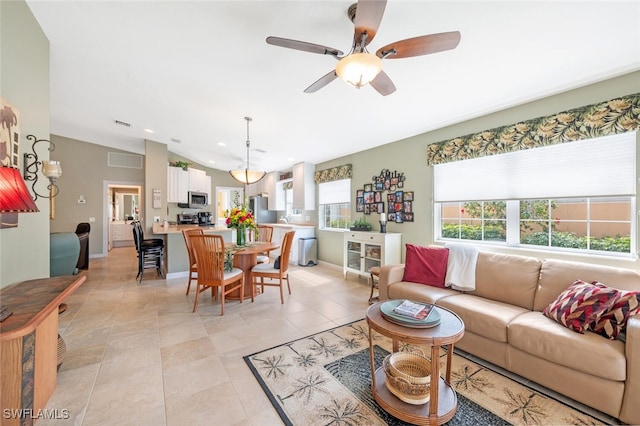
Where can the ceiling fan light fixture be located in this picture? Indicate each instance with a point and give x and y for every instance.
(244, 174)
(358, 69)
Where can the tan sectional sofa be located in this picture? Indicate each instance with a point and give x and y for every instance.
(504, 325)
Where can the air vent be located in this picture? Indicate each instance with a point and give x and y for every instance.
(175, 140)
(127, 161)
(122, 123)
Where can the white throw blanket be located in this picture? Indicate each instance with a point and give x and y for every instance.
(461, 267)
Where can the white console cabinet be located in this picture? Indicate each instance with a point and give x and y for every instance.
(364, 250)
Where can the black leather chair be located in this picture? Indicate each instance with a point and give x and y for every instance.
(150, 252)
(82, 231)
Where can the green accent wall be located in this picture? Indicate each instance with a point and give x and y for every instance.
(24, 82)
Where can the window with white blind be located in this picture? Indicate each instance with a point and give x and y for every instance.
(334, 200)
(577, 196)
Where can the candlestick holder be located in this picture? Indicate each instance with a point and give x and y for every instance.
(383, 227)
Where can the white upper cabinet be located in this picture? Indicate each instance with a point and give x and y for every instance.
(304, 188)
(177, 185)
(198, 180)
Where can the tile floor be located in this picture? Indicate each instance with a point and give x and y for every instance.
(137, 355)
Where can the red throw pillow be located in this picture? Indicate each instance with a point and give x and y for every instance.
(426, 265)
(614, 321)
(580, 305)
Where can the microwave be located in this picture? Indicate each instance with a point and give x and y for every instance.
(196, 200)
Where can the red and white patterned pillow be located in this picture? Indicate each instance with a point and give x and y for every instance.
(580, 305)
(614, 321)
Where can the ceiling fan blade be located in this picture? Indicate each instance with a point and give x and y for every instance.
(423, 45)
(304, 46)
(383, 84)
(322, 81)
(367, 20)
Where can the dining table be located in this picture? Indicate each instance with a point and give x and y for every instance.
(245, 258)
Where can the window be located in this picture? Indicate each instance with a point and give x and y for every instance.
(577, 196)
(334, 199)
(288, 202)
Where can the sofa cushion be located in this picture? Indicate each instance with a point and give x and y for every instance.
(580, 305)
(589, 353)
(557, 275)
(481, 316)
(507, 278)
(614, 321)
(426, 265)
(418, 292)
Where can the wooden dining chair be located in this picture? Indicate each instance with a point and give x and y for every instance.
(209, 251)
(193, 266)
(267, 271)
(265, 234)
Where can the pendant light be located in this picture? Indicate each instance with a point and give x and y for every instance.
(244, 173)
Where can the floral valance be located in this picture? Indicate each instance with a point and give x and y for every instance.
(334, 173)
(618, 115)
(287, 185)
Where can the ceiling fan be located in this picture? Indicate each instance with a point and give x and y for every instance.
(359, 67)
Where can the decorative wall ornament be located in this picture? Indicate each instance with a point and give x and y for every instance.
(9, 134)
(399, 204)
(334, 173)
(619, 115)
(388, 181)
(9, 149)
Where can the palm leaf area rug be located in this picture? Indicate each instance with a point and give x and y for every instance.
(325, 379)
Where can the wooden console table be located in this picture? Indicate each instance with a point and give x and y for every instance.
(29, 345)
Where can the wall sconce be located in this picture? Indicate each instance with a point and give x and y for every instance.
(50, 169)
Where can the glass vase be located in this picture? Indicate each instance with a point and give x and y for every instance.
(241, 236)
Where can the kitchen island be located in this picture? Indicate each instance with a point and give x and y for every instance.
(176, 256)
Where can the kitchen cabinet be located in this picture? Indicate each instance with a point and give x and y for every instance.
(198, 180)
(364, 250)
(177, 185)
(304, 188)
(121, 234)
(180, 182)
(301, 232)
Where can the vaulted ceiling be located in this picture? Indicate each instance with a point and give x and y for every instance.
(190, 71)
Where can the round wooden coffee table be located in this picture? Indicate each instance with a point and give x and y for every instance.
(443, 400)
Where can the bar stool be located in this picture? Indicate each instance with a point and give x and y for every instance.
(375, 277)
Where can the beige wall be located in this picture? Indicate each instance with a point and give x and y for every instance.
(24, 82)
(409, 156)
(84, 172)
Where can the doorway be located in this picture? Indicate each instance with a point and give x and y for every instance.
(226, 199)
(123, 203)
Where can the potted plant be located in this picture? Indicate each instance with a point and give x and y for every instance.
(361, 224)
(184, 165)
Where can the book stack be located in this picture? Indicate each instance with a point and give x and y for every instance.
(410, 314)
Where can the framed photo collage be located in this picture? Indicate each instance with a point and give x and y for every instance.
(386, 194)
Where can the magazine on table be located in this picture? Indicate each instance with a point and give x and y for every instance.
(413, 309)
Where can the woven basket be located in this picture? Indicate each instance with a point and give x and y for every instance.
(408, 376)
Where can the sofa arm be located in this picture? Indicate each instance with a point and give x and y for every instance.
(629, 412)
(389, 274)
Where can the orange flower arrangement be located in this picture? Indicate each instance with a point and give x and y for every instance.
(240, 218)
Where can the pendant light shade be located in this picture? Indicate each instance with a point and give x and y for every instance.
(244, 174)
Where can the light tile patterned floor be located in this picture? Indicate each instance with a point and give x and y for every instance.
(137, 355)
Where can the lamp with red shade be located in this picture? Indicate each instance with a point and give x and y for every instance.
(14, 195)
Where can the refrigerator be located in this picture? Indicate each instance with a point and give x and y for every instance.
(259, 205)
